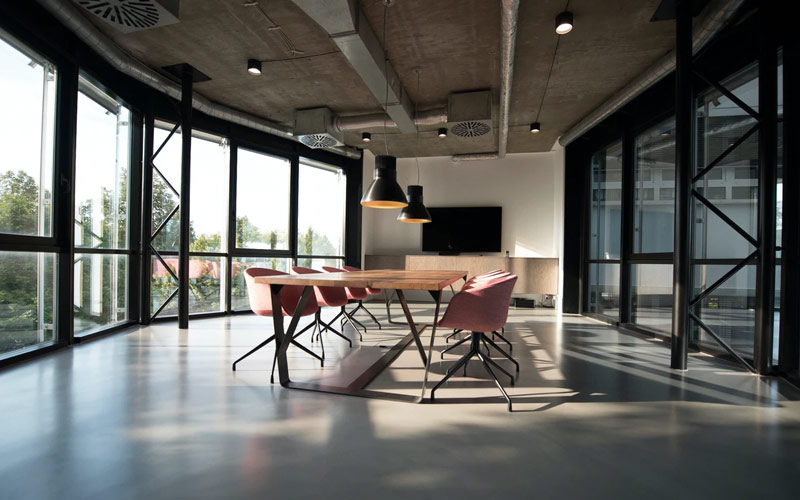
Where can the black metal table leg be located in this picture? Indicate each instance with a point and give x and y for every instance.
(284, 338)
(413, 325)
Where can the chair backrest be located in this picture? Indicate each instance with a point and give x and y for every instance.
(260, 295)
(326, 295)
(483, 277)
(370, 290)
(352, 292)
(483, 307)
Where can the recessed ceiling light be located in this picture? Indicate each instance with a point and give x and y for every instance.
(535, 128)
(254, 67)
(442, 133)
(564, 23)
(366, 137)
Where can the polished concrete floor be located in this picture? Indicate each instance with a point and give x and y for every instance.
(157, 413)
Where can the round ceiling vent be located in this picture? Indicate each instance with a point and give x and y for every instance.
(470, 129)
(130, 15)
(318, 141)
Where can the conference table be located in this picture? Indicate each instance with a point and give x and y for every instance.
(431, 281)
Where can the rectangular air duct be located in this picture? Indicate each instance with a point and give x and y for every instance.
(128, 16)
(314, 128)
(469, 114)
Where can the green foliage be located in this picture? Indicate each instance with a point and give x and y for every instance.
(19, 203)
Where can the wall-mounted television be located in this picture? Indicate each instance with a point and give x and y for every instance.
(463, 229)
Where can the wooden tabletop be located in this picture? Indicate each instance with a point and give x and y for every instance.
(379, 278)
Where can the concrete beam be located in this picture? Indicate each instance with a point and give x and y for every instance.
(350, 31)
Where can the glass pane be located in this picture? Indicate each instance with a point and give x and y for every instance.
(262, 200)
(606, 203)
(162, 285)
(655, 172)
(27, 101)
(652, 296)
(318, 263)
(100, 296)
(209, 191)
(734, 189)
(101, 169)
(27, 299)
(730, 309)
(239, 300)
(322, 210)
(604, 289)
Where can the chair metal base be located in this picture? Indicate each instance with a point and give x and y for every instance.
(360, 307)
(323, 326)
(275, 357)
(477, 339)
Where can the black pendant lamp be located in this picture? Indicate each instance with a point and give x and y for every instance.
(384, 191)
(415, 212)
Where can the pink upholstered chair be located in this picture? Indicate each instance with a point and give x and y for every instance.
(260, 298)
(470, 283)
(353, 293)
(360, 306)
(479, 308)
(331, 296)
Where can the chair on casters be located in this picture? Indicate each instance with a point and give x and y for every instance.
(370, 291)
(331, 296)
(479, 308)
(353, 293)
(261, 304)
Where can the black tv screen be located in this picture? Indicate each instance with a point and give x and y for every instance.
(463, 229)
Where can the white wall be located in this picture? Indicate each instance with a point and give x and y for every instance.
(529, 187)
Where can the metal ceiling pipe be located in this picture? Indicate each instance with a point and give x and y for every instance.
(719, 15)
(75, 21)
(508, 40)
(376, 120)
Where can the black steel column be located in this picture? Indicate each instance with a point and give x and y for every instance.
(137, 163)
(789, 357)
(682, 265)
(186, 171)
(627, 227)
(767, 178)
(147, 213)
(294, 204)
(64, 199)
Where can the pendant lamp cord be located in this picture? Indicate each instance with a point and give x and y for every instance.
(549, 73)
(416, 156)
(386, 76)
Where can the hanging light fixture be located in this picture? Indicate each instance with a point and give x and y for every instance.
(564, 23)
(535, 128)
(254, 67)
(415, 212)
(442, 133)
(366, 137)
(384, 191)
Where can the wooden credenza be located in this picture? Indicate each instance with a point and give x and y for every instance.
(536, 275)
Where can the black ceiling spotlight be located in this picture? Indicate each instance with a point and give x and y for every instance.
(442, 133)
(366, 137)
(384, 191)
(254, 67)
(535, 128)
(415, 212)
(564, 22)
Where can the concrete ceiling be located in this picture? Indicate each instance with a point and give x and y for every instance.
(455, 42)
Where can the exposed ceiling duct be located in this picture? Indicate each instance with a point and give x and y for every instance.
(508, 39)
(719, 15)
(428, 117)
(350, 31)
(71, 17)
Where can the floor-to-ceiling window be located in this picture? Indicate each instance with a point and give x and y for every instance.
(102, 157)
(653, 222)
(27, 248)
(263, 218)
(605, 225)
(208, 231)
(321, 215)
(732, 187)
